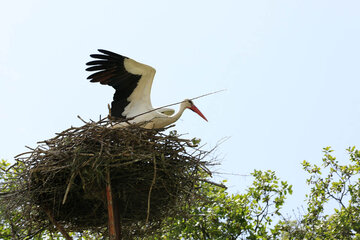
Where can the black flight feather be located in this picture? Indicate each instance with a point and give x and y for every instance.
(110, 70)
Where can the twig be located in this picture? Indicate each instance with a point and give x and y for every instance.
(169, 105)
(208, 94)
(58, 226)
(81, 119)
(213, 183)
(149, 196)
(68, 187)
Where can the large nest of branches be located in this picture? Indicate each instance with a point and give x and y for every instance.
(153, 174)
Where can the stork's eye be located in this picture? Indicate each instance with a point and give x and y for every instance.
(191, 102)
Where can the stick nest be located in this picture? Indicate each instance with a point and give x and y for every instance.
(153, 174)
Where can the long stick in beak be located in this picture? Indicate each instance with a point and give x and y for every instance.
(195, 109)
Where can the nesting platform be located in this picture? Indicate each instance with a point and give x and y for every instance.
(153, 174)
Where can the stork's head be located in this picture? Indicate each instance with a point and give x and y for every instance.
(190, 105)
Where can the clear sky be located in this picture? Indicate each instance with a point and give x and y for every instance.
(291, 70)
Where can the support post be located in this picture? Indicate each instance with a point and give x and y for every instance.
(114, 221)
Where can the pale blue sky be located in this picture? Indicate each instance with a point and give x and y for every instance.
(291, 70)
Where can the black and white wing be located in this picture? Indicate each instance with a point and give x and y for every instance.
(132, 82)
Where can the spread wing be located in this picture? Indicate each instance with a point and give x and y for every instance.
(132, 82)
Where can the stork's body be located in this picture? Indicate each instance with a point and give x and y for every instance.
(132, 82)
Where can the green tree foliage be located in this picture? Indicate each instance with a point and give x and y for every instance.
(225, 216)
(8, 228)
(330, 183)
(255, 213)
(5, 227)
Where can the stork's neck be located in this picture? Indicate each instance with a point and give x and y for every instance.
(180, 112)
(163, 120)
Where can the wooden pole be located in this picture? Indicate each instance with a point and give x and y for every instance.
(114, 222)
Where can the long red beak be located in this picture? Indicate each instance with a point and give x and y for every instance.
(195, 109)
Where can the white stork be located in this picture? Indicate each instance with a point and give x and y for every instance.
(132, 82)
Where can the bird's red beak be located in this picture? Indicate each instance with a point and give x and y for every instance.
(195, 109)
